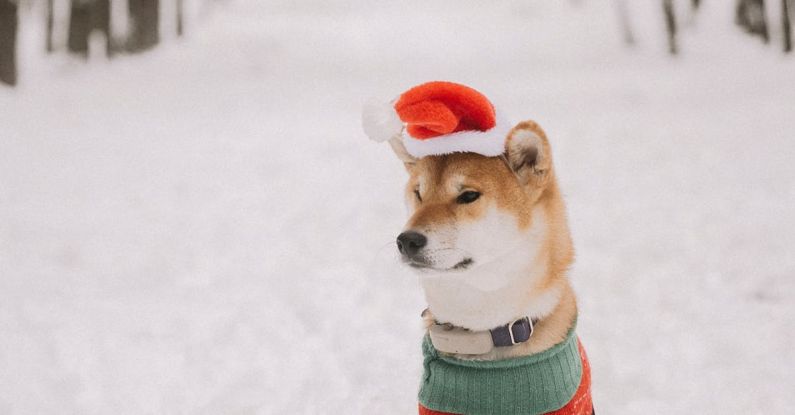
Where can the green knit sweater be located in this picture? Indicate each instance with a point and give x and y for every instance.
(534, 384)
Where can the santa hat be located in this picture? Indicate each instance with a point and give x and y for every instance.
(438, 118)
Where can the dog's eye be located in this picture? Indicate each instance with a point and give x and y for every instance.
(467, 197)
(417, 193)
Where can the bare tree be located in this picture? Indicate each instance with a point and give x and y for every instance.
(144, 19)
(100, 21)
(8, 41)
(180, 19)
(86, 17)
(623, 21)
(786, 26)
(670, 25)
(49, 26)
(79, 27)
(750, 15)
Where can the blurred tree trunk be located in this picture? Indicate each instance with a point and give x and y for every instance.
(786, 26)
(86, 16)
(79, 27)
(180, 18)
(144, 19)
(670, 25)
(623, 20)
(8, 41)
(750, 15)
(50, 23)
(100, 20)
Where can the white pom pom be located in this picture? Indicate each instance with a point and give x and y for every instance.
(380, 121)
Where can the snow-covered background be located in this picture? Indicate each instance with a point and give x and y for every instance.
(204, 229)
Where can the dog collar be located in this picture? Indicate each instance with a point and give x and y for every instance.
(448, 338)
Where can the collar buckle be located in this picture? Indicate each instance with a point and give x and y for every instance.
(513, 333)
(510, 331)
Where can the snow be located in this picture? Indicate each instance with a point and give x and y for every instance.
(205, 228)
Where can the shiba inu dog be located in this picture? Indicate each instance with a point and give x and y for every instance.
(488, 237)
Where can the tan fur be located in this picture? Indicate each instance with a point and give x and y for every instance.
(514, 187)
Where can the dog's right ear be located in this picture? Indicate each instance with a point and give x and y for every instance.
(528, 153)
(409, 161)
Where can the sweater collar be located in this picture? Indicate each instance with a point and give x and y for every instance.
(534, 384)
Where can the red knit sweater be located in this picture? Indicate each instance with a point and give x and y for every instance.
(580, 403)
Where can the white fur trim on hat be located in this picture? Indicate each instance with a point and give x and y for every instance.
(488, 143)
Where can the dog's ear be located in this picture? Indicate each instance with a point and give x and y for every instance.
(400, 151)
(528, 153)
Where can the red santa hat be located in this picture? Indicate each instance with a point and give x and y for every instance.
(438, 118)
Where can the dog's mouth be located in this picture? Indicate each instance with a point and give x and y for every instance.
(422, 265)
(418, 265)
(466, 263)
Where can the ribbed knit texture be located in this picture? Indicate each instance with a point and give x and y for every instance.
(580, 404)
(529, 385)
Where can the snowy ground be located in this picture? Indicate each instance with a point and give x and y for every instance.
(206, 230)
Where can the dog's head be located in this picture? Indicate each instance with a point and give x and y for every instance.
(469, 210)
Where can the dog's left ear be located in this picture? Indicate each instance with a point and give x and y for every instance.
(528, 153)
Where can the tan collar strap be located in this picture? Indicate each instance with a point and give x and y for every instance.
(448, 338)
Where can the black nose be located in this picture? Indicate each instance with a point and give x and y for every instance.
(409, 243)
